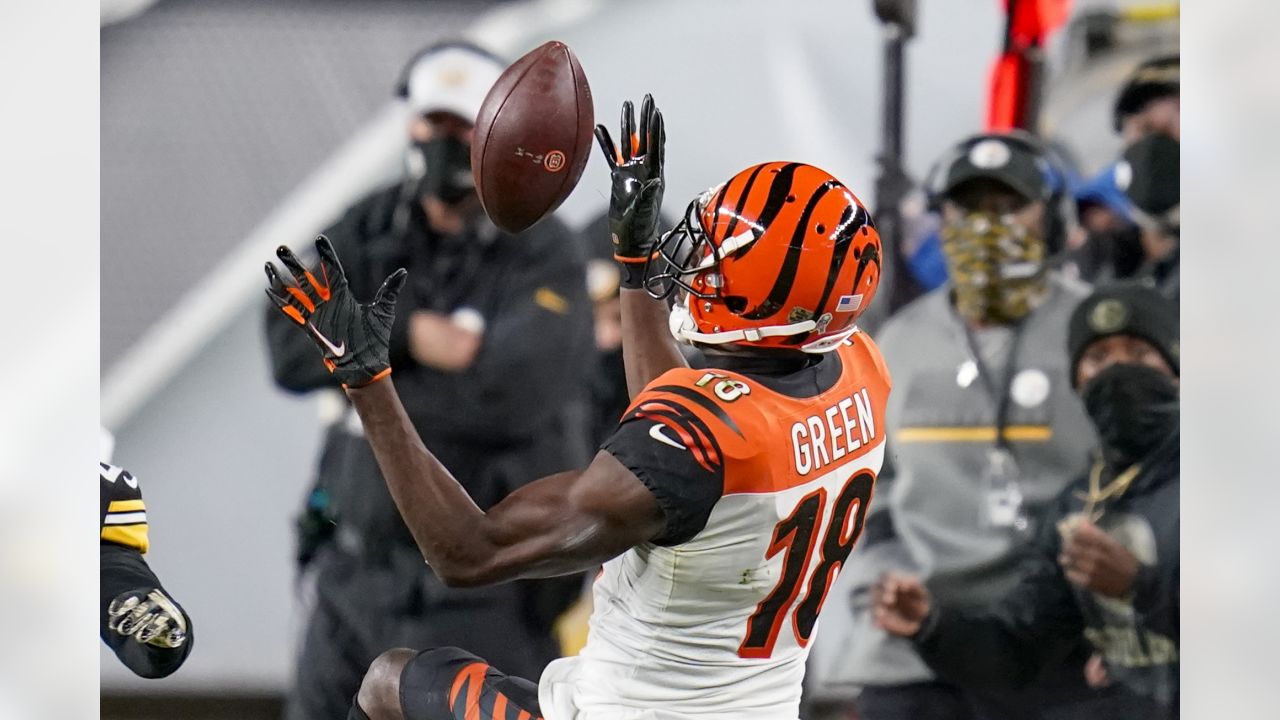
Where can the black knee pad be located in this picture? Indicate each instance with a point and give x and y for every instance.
(439, 684)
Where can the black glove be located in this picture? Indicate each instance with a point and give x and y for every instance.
(353, 338)
(637, 187)
(148, 616)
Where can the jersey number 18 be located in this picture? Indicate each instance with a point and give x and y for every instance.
(798, 535)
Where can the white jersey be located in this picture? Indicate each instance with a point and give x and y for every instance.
(718, 625)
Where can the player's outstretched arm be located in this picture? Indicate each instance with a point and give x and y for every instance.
(559, 524)
(143, 626)
(635, 204)
(648, 350)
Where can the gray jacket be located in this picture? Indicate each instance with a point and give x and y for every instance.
(927, 516)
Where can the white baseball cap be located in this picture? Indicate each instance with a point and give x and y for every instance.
(452, 77)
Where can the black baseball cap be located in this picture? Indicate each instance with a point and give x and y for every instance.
(1005, 158)
(1154, 79)
(1125, 308)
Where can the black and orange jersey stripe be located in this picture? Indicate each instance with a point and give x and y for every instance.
(694, 436)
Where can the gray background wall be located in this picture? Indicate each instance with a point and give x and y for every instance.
(213, 110)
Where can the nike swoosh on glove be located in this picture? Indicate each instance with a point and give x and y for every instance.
(353, 338)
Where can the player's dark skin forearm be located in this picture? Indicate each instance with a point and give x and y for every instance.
(648, 350)
(557, 525)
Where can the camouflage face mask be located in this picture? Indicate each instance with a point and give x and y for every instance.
(996, 264)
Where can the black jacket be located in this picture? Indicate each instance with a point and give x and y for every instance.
(519, 411)
(1045, 615)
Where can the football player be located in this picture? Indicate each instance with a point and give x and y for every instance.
(147, 629)
(725, 502)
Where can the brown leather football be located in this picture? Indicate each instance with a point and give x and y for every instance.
(532, 137)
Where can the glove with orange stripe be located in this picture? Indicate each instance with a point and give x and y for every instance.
(637, 187)
(353, 338)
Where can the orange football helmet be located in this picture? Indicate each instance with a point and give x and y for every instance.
(782, 255)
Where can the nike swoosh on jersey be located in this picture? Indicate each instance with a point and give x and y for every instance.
(656, 433)
(111, 473)
(338, 350)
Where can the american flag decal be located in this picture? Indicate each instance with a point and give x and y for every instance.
(849, 303)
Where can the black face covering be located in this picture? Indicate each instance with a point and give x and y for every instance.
(1135, 409)
(448, 170)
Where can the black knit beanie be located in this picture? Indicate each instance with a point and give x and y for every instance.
(1124, 309)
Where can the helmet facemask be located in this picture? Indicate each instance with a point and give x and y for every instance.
(684, 253)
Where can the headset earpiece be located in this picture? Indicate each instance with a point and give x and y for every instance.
(934, 179)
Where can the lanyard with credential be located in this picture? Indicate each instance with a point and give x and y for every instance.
(1000, 396)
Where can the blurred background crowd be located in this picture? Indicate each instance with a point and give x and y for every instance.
(1022, 162)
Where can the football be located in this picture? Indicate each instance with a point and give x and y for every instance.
(532, 137)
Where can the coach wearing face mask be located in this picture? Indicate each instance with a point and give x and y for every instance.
(1107, 566)
(984, 432)
(492, 337)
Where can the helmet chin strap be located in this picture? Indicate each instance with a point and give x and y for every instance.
(829, 343)
(685, 329)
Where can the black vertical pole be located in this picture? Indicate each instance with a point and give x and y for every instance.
(891, 133)
(898, 18)
(1033, 88)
